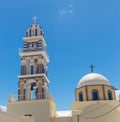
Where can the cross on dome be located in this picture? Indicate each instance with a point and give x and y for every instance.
(35, 19)
(92, 68)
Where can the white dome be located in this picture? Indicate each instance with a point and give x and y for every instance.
(93, 79)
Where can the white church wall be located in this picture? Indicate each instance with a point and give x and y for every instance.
(9, 117)
(40, 109)
(112, 117)
(96, 111)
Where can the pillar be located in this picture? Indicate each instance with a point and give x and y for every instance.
(39, 88)
(21, 95)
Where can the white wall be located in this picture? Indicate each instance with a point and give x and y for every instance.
(96, 111)
(42, 110)
(8, 117)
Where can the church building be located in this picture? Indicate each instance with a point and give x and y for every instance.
(95, 99)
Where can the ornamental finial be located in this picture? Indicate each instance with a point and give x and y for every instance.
(92, 68)
(35, 19)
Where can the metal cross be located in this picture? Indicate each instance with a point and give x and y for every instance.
(35, 19)
(92, 68)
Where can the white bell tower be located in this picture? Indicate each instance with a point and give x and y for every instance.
(33, 81)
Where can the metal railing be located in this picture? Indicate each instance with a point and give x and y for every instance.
(26, 97)
(22, 50)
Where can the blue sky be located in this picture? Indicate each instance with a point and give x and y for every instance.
(78, 33)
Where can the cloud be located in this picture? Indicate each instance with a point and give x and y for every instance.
(3, 108)
(70, 5)
(62, 12)
(67, 10)
(70, 10)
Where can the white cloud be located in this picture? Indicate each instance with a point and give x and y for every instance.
(70, 5)
(67, 10)
(62, 12)
(70, 10)
(64, 113)
(3, 108)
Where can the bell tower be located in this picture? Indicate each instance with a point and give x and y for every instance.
(33, 81)
(33, 98)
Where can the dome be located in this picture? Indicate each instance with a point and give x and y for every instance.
(93, 79)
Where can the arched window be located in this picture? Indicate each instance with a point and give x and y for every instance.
(95, 94)
(80, 96)
(36, 32)
(28, 67)
(32, 33)
(35, 66)
(33, 90)
(109, 95)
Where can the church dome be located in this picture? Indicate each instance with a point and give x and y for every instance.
(92, 79)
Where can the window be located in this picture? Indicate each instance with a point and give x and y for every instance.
(95, 94)
(35, 32)
(43, 93)
(41, 32)
(18, 94)
(109, 95)
(32, 33)
(28, 67)
(43, 82)
(26, 34)
(32, 69)
(36, 93)
(80, 96)
(35, 66)
(24, 94)
(43, 69)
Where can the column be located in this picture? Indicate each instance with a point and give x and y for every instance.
(21, 95)
(39, 88)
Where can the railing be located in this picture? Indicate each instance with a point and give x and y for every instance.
(22, 50)
(30, 96)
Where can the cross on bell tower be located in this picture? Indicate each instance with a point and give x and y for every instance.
(92, 68)
(35, 19)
